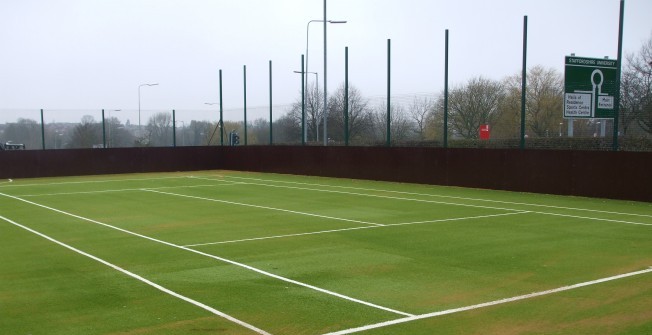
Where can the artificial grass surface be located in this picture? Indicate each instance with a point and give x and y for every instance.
(411, 249)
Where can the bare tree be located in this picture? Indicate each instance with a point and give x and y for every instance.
(636, 89)
(359, 114)
(419, 111)
(544, 104)
(543, 108)
(258, 131)
(159, 129)
(314, 111)
(24, 131)
(507, 124)
(86, 134)
(117, 135)
(474, 104)
(287, 129)
(400, 126)
(199, 133)
(435, 120)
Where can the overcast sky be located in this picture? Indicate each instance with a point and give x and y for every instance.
(93, 54)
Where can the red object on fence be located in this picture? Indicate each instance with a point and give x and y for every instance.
(484, 132)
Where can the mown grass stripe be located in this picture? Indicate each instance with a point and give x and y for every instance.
(434, 195)
(352, 228)
(141, 279)
(488, 304)
(263, 207)
(251, 268)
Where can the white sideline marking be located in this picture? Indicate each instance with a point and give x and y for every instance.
(378, 196)
(348, 229)
(262, 207)
(142, 279)
(596, 219)
(94, 181)
(128, 190)
(433, 195)
(488, 304)
(251, 268)
(458, 204)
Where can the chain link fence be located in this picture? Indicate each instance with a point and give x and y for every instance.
(414, 121)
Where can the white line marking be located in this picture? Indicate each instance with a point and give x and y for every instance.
(591, 218)
(142, 279)
(435, 195)
(381, 196)
(127, 190)
(251, 268)
(458, 219)
(458, 204)
(262, 207)
(353, 228)
(94, 181)
(488, 304)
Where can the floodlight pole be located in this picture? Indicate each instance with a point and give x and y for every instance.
(524, 84)
(446, 90)
(306, 70)
(221, 113)
(325, 79)
(619, 71)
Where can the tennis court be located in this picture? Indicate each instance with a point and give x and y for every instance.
(224, 252)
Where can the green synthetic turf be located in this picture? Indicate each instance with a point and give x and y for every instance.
(412, 249)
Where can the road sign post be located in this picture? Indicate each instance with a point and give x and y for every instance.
(590, 88)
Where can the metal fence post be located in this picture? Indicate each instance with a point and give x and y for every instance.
(103, 130)
(221, 125)
(270, 104)
(389, 83)
(244, 73)
(42, 130)
(446, 92)
(303, 100)
(174, 129)
(346, 96)
(620, 56)
(524, 83)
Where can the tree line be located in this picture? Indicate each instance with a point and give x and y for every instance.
(476, 102)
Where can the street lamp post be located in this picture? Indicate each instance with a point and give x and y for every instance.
(139, 86)
(307, 40)
(325, 67)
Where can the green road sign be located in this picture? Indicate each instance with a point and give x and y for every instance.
(590, 88)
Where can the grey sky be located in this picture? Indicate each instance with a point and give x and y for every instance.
(93, 54)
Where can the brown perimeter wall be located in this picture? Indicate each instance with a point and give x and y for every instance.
(615, 175)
